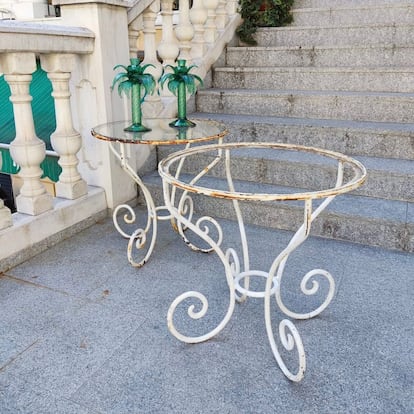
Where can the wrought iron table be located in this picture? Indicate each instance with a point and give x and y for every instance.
(160, 134)
(346, 174)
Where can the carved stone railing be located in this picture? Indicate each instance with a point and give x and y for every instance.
(78, 53)
(59, 51)
(56, 48)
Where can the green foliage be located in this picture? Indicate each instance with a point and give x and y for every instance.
(134, 74)
(181, 74)
(262, 13)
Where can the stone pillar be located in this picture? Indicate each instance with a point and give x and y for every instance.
(93, 101)
(184, 31)
(198, 17)
(27, 9)
(65, 140)
(211, 25)
(152, 105)
(27, 150)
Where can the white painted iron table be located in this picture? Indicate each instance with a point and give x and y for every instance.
(160, 134)
(348, 174)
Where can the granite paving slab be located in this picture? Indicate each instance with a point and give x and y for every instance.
(87, 333)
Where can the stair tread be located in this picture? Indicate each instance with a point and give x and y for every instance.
(337, 3)
(340, 69)
(281, 92)
(353, 7)
(335, 27)
(347, 204)
(391, 46)
(314, 122)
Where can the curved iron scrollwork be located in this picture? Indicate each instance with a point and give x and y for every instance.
(237, 270)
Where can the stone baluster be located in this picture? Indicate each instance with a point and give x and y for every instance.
(184, 31)
(232, 7)
(27, 150)
(211, 26)
(198, 17)
(221, 18)
(152, 106)
(5, 213)
(66, 141)
(5, 216)
(168, 48)
(134, 33)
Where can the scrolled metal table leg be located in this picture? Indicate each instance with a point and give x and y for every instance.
(224, 257)
(292, 339)
(138, 239)
(186, 207)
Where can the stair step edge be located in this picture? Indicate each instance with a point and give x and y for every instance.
(353, 7)
(318, 70)
(380, 165)
(390, 46)
(282, 92)
(335, 27)
(380, 127)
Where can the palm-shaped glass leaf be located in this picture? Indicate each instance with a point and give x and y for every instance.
(180, 81)
(133, 80)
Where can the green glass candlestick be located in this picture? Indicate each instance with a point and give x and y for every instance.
(182, 120)
(135, 80)
(179, 82)
(136, 111)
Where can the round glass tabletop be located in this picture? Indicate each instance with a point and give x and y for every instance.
(161, 133)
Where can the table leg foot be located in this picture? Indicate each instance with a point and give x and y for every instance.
(290, 340)
(139, 239)
(193, 314)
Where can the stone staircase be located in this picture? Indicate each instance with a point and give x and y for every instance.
(341, 77)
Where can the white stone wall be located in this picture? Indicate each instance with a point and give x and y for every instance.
(26, 9)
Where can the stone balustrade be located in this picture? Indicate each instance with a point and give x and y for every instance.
(20, 44)
(79, 63)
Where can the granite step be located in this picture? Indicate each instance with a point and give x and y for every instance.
(357, 106)
(376, 139)
(387, 54)
(358, 35)
(339, 3)
(370, 221)
(354, 14)
(382, 79)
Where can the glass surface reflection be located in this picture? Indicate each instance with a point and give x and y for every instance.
(161, 132)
